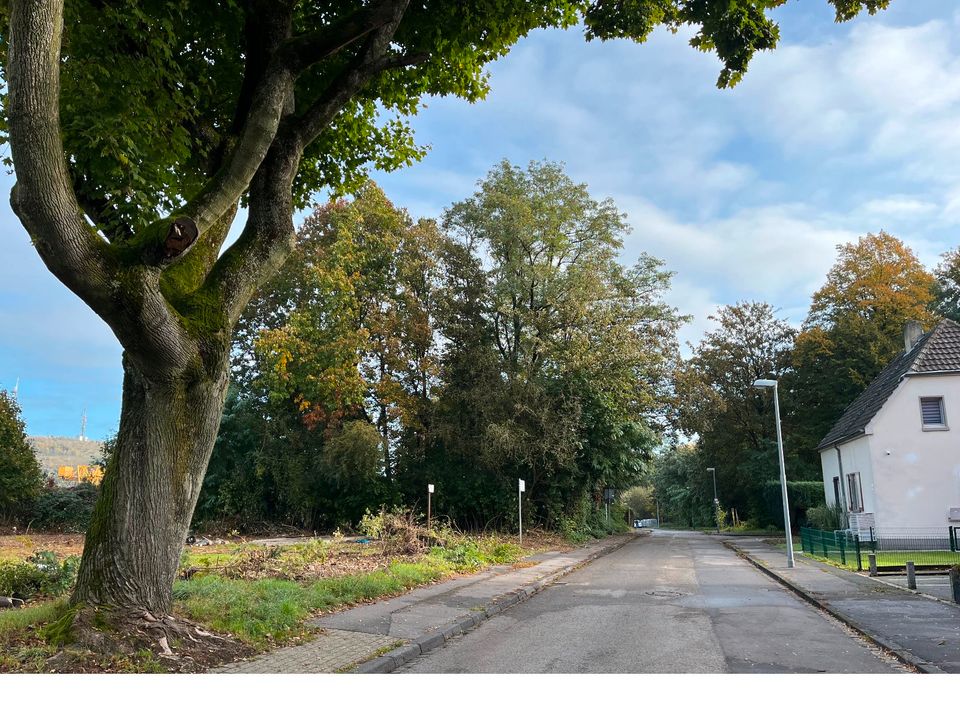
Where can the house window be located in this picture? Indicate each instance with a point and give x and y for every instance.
(854, 492)
(836, 491)
(931, 413)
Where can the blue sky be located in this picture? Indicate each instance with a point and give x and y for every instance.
(744, 193)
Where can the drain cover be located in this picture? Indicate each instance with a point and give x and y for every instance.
(664, 593)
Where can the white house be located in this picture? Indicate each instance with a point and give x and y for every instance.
(893, 459)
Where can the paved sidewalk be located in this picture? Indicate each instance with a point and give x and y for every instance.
(921, 631)
(381, 636)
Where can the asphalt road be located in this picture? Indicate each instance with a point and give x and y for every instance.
(672, 602)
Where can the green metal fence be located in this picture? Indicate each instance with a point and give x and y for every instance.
(840, 547)
(925, 547)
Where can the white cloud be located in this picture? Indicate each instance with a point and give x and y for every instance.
(897, 206)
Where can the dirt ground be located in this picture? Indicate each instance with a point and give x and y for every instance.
(345, 557)
(21, 546)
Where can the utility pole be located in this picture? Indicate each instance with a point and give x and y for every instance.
(716, 501)
(772, 385)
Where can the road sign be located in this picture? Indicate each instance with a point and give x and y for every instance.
(523, 486)
(430, 488)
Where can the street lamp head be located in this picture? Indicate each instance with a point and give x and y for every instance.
(711, 469)
(764, 383)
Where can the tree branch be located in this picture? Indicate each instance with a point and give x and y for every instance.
(43, 197)
(305, 50)
(44, 200)
(269, 235)
(374, 59)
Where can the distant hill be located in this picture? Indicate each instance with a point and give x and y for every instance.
(52, 452)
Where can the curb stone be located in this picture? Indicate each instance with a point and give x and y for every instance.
(394, 659)
(903, 655)
(914, 592)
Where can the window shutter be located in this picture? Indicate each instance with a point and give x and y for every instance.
(932, 411)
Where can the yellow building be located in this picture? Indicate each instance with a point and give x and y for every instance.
(81, 473)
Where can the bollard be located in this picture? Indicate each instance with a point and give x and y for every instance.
(955, 582)
(872, 559)
(911, 576)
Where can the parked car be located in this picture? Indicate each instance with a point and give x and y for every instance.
(636, 524)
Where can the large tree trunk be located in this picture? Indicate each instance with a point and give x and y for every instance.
(150, 488)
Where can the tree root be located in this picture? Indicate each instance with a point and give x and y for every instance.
(179, 645)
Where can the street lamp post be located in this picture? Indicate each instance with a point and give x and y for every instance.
(763, 383)
(716, 500)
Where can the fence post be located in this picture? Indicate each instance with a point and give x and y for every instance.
(955, 583)
(843, 549)
(953, 538)
(856, 545)
(823, 543)
(872, 559)
(911, 575)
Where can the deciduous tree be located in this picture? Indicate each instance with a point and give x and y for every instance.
(733, 422)
(137, 133)
(947, 303)
(855, 327)
(20, 476)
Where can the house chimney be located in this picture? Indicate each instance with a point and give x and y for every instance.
(911, 333)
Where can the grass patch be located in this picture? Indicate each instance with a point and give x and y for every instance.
(268, 611)
(13, 622)
(23, 644)
(263, 612)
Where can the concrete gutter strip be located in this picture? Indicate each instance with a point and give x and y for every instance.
(394, 659)
(893, 648)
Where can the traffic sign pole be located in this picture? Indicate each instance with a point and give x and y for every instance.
(520, 488)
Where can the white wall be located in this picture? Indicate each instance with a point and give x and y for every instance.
(857, 457)
(917, 472)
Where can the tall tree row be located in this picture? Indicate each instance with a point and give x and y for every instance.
(854, 328)
(509, 343)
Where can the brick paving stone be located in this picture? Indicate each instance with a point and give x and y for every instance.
(332, 651)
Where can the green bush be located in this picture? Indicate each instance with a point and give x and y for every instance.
(65, 509)
(825, 517)
(43, 574)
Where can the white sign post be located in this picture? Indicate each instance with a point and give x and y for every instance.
(522, 487)
(429, 495)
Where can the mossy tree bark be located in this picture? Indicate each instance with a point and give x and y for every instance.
(167, 432)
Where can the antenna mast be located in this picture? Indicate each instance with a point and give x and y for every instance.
(83, 425)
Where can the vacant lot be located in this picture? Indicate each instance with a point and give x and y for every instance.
(257, 592)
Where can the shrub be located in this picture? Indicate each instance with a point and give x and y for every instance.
(825, 517)
(42, 574)
(397, 529)
(65, 509)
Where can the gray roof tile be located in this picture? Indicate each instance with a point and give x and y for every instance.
(936, 351)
